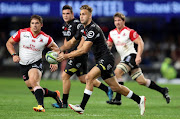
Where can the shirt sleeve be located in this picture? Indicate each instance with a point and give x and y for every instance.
(78, 34)
(133, 35)
(109, 38)
(16, 36)
(50, 40)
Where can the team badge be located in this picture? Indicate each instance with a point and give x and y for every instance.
(90, 34)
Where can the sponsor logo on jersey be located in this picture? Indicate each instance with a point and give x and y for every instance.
(41, 40)
(33, 40)
(30, 48)
(66, 33)
(119, 43)
(26, 36)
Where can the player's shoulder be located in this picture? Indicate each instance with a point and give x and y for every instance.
(94, 27)
(44, 34)
(25, 30)
(128, 29)
(76, 20)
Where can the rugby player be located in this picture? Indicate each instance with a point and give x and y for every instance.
(95, 40)
(78, 65)
(124, 38)
(32, 42)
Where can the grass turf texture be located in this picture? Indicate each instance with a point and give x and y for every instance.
(17, 102)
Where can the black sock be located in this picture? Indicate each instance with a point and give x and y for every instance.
(136, 98)
(52, 94)
(65, 98)
(154, 86)
(39, 96)
(49, 93)
(118, 95)
(85, 100)
(103, 87)
(30, 88)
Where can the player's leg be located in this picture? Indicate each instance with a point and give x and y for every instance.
(137, 75)
(90, 77)
(100, 85)
(112, 82)
(118, 72)
(66, 88)
(34, 79)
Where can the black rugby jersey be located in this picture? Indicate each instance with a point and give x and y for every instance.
(69, 30)
(93, 33)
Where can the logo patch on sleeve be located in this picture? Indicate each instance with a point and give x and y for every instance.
(90, 34)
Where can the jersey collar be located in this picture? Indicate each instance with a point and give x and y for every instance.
(120, 30)
(29, 29)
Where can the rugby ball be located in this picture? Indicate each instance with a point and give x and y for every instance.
(51, 57)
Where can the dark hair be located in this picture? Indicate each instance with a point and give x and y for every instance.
(120, 15)
(87, 8)
(37, 17)
(65, 7)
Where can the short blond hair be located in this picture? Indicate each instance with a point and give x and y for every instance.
(86, 7)
(120, 15)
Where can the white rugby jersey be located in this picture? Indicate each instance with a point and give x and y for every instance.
(123, 41)
(30, 46)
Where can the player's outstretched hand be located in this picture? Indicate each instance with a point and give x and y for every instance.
(53, 67)
(61, 57)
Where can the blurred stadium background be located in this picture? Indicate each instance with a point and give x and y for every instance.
(157, 21)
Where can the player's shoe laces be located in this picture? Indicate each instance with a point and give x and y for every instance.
(142, 104)
(39, 108)
(114, 102)
(110, 93)
(166, 95)
(57, 106)
(58, 99)
(76, 108)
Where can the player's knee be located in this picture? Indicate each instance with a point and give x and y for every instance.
(64, 76)
(141, 81)
(118, 73)
(88, 78)
(114, 88)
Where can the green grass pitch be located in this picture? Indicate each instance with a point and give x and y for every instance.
(17, 102)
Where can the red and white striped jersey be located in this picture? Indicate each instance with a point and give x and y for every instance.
(123, 41)
(30, 46)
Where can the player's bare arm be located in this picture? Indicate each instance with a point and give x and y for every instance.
(10, 46)
(84, 49)
(68, 44)
(81, 43)
(53, 67)
(109, 44)
(140, 49)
